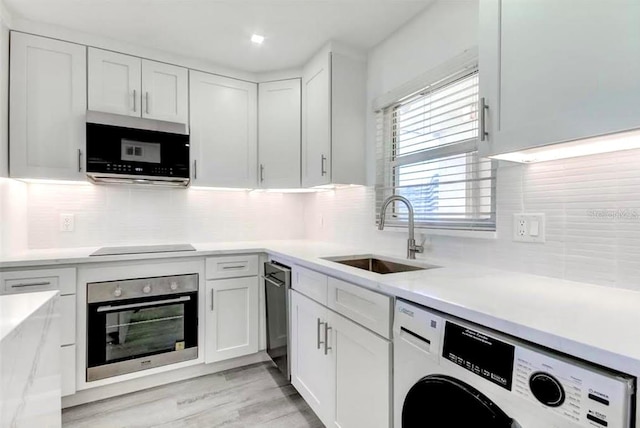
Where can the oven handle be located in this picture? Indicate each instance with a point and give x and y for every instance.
(110, 308)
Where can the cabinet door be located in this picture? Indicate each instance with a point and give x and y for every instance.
(557, 71)
(48, 89)
(279, 134)
(232, 318)
(164, 92)
(311, 368)
(316, 121)
(223, 131)
(114, 83)
(362, 364)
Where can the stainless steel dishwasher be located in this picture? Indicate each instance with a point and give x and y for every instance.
(277, 281)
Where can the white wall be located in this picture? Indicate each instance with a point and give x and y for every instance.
(444, 30)
(580, 246)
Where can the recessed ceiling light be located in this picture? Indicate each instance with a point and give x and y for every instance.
(257, 39)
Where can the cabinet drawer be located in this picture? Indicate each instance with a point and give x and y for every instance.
(68, 369)
(39, 280)
(366, 307)
(310, 283)
(68, 319)
(232, 266)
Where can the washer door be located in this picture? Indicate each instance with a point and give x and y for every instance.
(440, 401)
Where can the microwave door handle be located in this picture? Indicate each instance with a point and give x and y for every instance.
(111, 308)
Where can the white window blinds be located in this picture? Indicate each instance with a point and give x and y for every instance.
(427, 152)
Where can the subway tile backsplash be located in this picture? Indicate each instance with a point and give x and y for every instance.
(592, 208)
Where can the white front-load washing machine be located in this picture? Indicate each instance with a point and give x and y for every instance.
(449, 373)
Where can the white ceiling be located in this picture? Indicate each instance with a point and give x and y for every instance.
(219, 31)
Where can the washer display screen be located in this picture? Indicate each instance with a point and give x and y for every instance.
(480, 354)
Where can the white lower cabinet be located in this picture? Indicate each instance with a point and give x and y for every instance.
(341, 369)
(311, 369)
(68, 369)
(362, 372)
(231, 318)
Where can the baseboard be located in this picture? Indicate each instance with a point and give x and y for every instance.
(126, 387)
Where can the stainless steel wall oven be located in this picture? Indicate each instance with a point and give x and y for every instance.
(138, 324)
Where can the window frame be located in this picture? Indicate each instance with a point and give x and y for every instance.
(467, 148)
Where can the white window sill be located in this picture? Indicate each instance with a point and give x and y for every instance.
(476, 234)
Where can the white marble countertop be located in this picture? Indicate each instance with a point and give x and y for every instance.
(587, 321)
(16, 308)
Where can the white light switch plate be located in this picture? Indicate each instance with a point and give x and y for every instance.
(67, 222)
(529, 227)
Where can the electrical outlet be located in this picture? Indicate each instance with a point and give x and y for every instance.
(528, 228)
(67, 222)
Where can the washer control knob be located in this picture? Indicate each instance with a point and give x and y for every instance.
(146, 289)
(547, 389)
(117, 292)
(173, 286)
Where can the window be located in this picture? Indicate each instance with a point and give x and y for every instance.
(427, 152)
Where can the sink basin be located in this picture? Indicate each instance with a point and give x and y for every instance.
(379, 265)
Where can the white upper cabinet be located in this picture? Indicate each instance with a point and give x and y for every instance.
(131, 86)
(114, 83)
(554, 71)
(48, 87)
(279, 134)
(164, 92)
(333, 119)
(316, 121)
(223, 127)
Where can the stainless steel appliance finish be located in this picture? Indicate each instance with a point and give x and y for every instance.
(130, 150)
(138, 324)
(379, 264)
(277, 282)
(142, 249)
(412, 248)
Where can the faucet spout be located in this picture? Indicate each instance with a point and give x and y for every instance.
(412, 248)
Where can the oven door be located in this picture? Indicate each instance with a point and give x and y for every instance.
(142, 333)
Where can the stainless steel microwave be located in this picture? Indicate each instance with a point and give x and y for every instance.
(128, 150)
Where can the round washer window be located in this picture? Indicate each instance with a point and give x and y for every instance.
(438, 401)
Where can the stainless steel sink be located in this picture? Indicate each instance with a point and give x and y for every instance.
(378, 264)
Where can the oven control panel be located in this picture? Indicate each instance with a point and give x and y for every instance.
(584, 395)
(141, 287)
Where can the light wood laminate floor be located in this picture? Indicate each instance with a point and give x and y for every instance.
(253, 396)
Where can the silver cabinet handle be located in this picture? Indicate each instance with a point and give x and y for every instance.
(146, 101)
(233, 267)
(212, 294)
(79, 160)
(483, 107)
(323, 159)
(134, 100)
(326, 338)
(31, 284)
(318, 332)
(261, 173)
(195, 169)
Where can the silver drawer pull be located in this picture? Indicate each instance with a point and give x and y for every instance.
(233, 267)
(31, 284)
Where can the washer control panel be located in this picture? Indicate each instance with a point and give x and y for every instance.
(584, 395)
